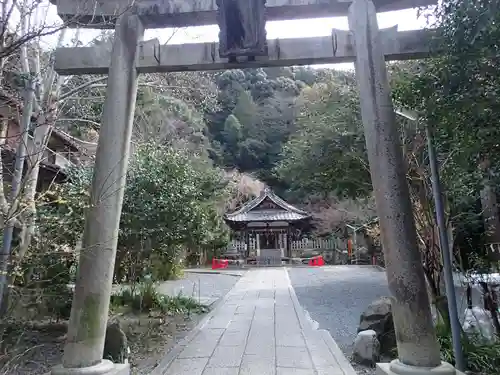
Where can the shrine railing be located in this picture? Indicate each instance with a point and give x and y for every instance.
(304, 244)
(313, 244)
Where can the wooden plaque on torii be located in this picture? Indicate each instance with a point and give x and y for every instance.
(242, 25)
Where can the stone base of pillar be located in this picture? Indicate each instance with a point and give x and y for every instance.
(397, 368)
(104, 368)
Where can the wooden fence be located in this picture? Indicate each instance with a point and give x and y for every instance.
(315, 244)
(334, 250)
(303, 244)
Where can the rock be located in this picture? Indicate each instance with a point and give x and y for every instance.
(378, 317)
(366, 348)
(115, 345)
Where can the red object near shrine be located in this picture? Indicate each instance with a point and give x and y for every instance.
(219, 263)
(349, 247)
(317, 261)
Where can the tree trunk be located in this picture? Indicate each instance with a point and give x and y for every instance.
(4, 206)
(46, 107)
(489, 204)
(41, 136)
(490, 212)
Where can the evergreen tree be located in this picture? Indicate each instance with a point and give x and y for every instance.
(232, 135)
(246, 111)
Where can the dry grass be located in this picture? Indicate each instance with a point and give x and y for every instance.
(243, 187)
(332, 214)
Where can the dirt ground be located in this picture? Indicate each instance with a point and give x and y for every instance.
(35, 349)
(150, 340)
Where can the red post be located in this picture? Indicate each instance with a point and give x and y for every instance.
(321, 261)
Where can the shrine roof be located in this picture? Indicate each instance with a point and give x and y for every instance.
(279, 210)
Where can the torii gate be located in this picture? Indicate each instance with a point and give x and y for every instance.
(364, 44)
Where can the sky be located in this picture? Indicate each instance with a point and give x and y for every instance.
(405, 19)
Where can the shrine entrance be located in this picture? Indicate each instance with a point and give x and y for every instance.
(270, 223)
(243, 44)
(268, 240)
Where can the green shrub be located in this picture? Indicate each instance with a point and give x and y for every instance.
(165, 265)
(40, 285)
(481, 358)
(58, 301)
(181, 305)
(141, 298)
(145, 298)
(45, 270)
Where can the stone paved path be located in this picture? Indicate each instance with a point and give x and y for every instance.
(258, 329)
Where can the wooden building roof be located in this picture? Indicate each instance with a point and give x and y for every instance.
(267, 207)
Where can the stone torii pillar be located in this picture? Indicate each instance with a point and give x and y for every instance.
(89, 312)
(418, 349)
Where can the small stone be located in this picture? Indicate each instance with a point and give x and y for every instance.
(366, 348)
(115, 345)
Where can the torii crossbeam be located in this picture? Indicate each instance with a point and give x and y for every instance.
(336, 48)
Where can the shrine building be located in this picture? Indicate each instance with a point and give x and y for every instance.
(265, 227)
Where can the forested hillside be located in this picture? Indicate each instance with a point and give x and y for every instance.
(242, 118)
(256, 115)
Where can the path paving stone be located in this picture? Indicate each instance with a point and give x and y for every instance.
(257, 330)
(227, 356)
(194, 366)
(256, 364)
(294, 371)
(234, 338)
(294, 357)
(221, 371)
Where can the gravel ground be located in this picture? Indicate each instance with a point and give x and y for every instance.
(336, 296)
(204, 287)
